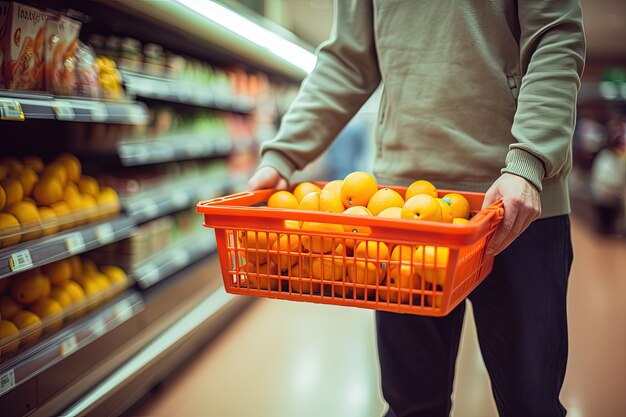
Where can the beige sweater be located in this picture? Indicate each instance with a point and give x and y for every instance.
(471, 89)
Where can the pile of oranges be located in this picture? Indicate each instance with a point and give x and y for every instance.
(39, 300)
(38, 199)
(317, 261)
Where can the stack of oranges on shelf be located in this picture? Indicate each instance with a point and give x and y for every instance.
(352, 266)
(39, 200)
(39, 300)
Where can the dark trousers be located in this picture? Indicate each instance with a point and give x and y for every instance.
(521, 319)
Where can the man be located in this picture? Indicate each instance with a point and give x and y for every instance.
(477, 96)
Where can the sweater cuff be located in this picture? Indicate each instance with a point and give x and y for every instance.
(279, 162)
(525, 165)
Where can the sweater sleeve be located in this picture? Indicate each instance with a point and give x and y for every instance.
(345, 75)
(552, 53)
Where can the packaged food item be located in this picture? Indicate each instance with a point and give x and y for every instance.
(110, 79)
(131, 57)
(154, 59)
(23, 45)
(61, 43)
(87, 78)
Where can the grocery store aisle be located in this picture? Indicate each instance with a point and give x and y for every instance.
(292, 359)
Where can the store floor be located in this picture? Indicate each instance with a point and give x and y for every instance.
(285, 359)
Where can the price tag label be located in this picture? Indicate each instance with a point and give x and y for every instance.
(69, 346)
(180, 199)
(147, 274)
(11, 110)
(75, 243)
(99, 328)
(105, 233)
(63, 110)
(20, 260)
(98, 110)
(123, 311)
(180, 257)
(7, 381)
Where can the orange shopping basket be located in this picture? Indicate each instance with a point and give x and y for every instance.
(404, 266)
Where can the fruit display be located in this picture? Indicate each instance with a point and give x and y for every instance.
(315, 261)
(39, 301)
(38, 199)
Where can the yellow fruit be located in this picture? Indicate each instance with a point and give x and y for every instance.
(283, 199)
(103, 281)
(48, 191)
(361, 272)
(29, 287)
(317, 244)
(70, 191)
(391, 213)
(401, 277)
(14, 167)
(30, 326)
(328, 269)
(27, 214)
(89, 267)
(9, 230)
(259, 276)
(422, 207)
(403, 254)
(74, 290)
(8, 307)
(446, 211)
(115, 274)
(420, 187)
(434, 300)
(28, 178)
(76, 266)
(48, 221)
(72, 166)
(108, 201)
(356, 211)
(384, 199)
(3, 198)
(88, 185)
(357, 189)
(13, 190)
(55, 170)
(9, 342)
(459, 205)
(306, 285)
(90, 285)
(372, 251)
(432, 264)
(457, 220)
(90, 208)
(64, 214)
(305, 188)
(321, 201)
(289, 246)
(257, 243)
(33, 162)
(59, 271)
(61, 295)
(51, 313)
(292, 224)
(77, 209)
(334, 186)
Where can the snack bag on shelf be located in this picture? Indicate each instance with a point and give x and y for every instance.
(61, 43)
(87, 79)
(23, 45)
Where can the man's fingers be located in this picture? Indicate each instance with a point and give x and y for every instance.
(518, 228)
(510, 214)
(266, 178)
(282, 184)
(490, 198)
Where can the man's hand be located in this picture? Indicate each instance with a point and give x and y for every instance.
(522, 205)
(267, 177)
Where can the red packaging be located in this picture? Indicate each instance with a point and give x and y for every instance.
(23, 45)
(60, 62)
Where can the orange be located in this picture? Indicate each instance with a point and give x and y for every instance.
(70, 191)
(432, 264)
(74, 290)
(108, 201)
(90, 207)
(57, 171)
(420, 187)
(317, 244)
(283, 199)
(48, 221)
(356, 211)
(459, 205)
(61, 295)
(89, 267)
(29, 287)
(289, 246)
(256, 243)
(115, 274)
(434, 300)
(403, 254)
(305, 188)
(8, 307)
(446, 211)
(321, 201)
(51, 313)
(457, 220)
(29, 324)
(292, 224)
(90, 285)
(373, 251)
(383, 199)
(28, 178)
(14, 166)
(422, 207)
(3, 198)
(88, 185)
(305, 285)
(59, 271)
(258, 276)
(361, 272)
(48, 191)
(33, 162)
(401, 277)
(9, 230)
(328, 269)
(63, 212)
(334, 186)
(13, 190)
(9, 341)
(27, 214)
(357, 189)
(76, 265)
(72, 166)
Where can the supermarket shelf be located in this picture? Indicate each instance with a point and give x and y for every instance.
(174, 258)
(44, 106)
(176, 148)
(158, 88)
(38, 252)
(33, 361)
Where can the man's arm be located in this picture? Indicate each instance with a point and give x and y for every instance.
(345, 76)
(552, 51)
